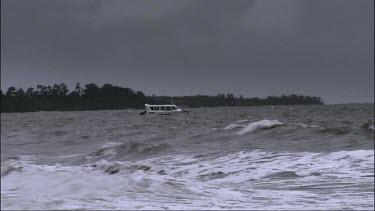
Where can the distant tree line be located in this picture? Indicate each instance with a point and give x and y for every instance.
(109, 97)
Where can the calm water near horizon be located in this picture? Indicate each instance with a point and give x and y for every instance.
(266, 157)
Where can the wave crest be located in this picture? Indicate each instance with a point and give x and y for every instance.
(232, 126)
(263, 124)
(119, 150)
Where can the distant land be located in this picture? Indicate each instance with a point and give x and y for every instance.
(108, 97)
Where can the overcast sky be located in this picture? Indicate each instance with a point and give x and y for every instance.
(186, 47)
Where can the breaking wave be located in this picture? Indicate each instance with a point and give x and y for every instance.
(123, 150)
(187, 182)
(263, 124)
(232, 126)
(318, 157)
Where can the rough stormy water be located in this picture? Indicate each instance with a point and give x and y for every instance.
(269, 157)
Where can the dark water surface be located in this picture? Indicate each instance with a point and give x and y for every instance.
(282, 157)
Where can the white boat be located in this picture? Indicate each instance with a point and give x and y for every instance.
(162, 109)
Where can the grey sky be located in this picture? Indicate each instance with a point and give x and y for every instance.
(186, 47)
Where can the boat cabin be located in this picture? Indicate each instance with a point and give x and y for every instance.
(161, 109)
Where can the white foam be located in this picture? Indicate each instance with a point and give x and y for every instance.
(242, 121)
(232, 126)
(259, 125)
(111, 144)
(243, 180)
(306, 125)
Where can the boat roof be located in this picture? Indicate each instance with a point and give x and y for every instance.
(160, 105)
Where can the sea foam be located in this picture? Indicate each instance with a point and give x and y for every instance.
(232, 126)
(263, 124)
(243, 178)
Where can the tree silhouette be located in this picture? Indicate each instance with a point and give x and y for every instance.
(107, 97)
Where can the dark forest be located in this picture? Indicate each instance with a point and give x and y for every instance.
(109, 97)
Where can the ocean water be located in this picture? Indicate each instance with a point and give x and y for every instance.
(268, 157)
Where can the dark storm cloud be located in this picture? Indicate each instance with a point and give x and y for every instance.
(255, 48)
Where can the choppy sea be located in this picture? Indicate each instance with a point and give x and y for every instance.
(267, 157)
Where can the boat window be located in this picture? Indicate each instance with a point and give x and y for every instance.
(156, 108)
(168, 108)
(152, 108)
(162, 108)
